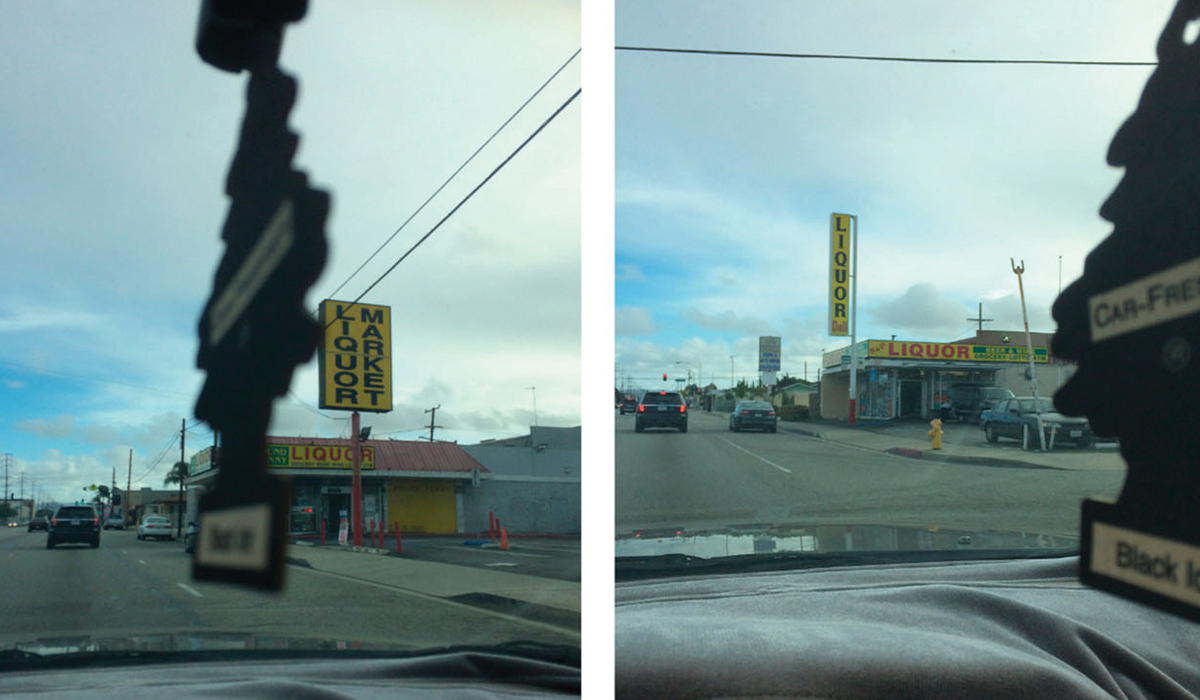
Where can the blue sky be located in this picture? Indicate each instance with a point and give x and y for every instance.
(116, 141)
(728, 168)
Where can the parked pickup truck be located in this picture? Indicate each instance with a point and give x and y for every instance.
(1009, 417)
(970, 400)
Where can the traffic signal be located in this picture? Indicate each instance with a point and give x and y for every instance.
(664, 376)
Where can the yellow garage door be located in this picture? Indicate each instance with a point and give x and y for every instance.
(422, 505)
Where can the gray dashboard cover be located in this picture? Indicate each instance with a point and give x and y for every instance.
(1009, 629)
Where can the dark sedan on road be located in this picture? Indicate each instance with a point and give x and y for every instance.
(753, 415)
(661, 409)
(629, 404)
(41, 521)
(1012, 417)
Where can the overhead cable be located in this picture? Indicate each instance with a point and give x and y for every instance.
(900, 59)
(455, 173)
(465, 199)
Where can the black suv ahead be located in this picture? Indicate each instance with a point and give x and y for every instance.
(661, 409)
(74, 524)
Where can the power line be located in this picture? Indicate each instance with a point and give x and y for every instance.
(303, 403)
(161, 453)
(455, 173)
(899, 59)
(465, 199)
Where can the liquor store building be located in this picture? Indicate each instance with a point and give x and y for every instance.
(419, 485)
(910, 379)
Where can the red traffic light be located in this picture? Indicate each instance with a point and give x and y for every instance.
(664, 376)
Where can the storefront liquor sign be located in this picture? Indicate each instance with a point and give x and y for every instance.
(896, 349)
(317, 456)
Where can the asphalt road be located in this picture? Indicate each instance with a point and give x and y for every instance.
(130, 587)
(710, 478)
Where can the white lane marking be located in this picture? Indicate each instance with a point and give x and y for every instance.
(761, 459)
(189, 589)
(142, 562)
(519, 554)
(502, 563)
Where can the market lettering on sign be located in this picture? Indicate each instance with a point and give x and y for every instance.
(355, 360)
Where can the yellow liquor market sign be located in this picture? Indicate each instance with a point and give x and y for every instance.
(317, 457)
(964, 352)
(355, 358)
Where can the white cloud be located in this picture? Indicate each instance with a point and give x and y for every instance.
(634, 320)
(921, 311)
(630, 273)
(57, 427)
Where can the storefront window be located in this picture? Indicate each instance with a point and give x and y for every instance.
(303, 518)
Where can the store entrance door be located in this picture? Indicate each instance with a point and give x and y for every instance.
(910, 398)
(335, 503)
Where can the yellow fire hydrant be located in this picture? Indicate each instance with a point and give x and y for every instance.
(935, 433)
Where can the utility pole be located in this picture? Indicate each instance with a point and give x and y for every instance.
(980, 319)
(7, 462)
(128, 485)
(1029, 349)
(182, 472)
(1056, 360)
(534, 389)
(432, 414)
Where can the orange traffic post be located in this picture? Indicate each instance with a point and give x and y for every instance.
(322, 533)
(503, 539)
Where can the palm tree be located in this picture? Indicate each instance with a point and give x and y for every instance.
(177, 474)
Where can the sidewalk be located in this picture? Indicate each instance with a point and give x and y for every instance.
(492, 589)
(961, 443)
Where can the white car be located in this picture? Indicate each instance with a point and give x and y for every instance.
(156, 526)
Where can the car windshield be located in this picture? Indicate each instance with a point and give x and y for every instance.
(1036, 405)
(421, 331)
(816, 205)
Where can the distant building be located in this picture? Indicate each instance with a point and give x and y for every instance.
(533, 482)
(416, 484)
(907, 379)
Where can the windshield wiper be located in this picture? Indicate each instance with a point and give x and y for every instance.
(669, 565)
(508, 661)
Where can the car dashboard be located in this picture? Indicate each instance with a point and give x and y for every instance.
(1022, 628)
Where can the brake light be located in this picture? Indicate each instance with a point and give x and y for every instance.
(641, 408)
(682, 408)
(54, 522)
(770, 413)
(743, 413)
